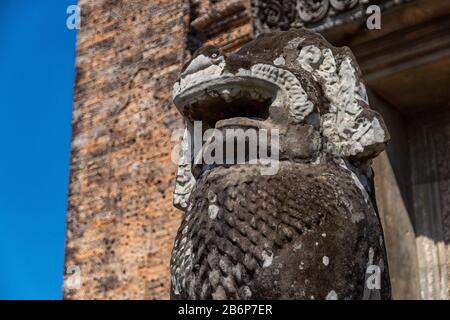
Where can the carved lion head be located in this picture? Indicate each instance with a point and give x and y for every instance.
(293, 81)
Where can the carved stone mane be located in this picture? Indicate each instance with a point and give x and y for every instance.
(309, 231)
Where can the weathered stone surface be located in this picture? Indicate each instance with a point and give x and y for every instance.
(247, 235)
(298, 235)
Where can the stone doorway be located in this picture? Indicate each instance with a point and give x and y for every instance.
(430, 164)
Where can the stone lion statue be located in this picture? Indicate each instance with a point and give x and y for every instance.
(311, 229)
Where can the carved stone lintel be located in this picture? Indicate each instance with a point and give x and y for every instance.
(317, 15)
(312, 11)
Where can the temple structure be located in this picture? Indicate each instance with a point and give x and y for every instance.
(121, 223)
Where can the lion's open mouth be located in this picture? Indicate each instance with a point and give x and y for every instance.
(226, 98)
(239, 140)
(237, 109)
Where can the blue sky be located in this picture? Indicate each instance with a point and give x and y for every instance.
(37, 58)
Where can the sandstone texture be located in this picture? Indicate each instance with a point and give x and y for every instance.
(309, 228)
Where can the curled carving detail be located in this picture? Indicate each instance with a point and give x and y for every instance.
(277, 14)
(316, 14)
(312, 10)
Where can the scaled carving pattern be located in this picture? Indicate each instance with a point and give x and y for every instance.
(311, 230)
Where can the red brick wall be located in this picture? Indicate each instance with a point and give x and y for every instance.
(120, 219)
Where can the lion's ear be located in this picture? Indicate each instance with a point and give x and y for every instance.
(370, 138)
(185, 180)
(353, 130)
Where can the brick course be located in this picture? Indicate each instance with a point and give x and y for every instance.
(120, 219)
